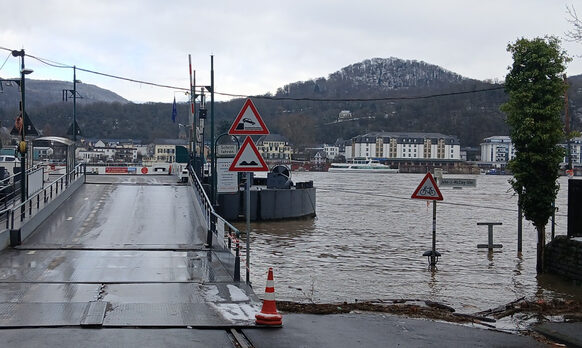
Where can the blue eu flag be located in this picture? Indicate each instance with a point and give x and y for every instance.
(174, 111)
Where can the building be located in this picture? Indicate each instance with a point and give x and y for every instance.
(331, 151)
(164, 150)
(102, 152)
(344, 115)
(575, 152)
(405, 146)
(274, 148)
(497, 150)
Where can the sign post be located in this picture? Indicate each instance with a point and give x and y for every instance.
(226, 148)
(429, 190)
(248, 159)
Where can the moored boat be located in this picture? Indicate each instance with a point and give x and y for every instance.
(362, 165)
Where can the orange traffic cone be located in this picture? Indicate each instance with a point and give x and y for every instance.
(269, 314)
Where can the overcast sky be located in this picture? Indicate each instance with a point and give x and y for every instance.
(259, 45)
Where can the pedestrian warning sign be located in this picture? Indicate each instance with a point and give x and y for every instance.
(428, 189)
(248, 121)
(248, 159)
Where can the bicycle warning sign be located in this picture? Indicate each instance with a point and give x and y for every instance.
(428, 189)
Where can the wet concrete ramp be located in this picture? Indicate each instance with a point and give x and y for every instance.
(123, 253)
(211, 305)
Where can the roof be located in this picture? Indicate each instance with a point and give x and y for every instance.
(400, 136)
(272, 137)
(170, 141)
(52, 140)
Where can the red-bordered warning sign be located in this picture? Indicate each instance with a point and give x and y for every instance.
(248, 159)
(428, 189)
(248, 121)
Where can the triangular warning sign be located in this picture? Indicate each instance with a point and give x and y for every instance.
(248, 159)
(248, 121)
(428, 189)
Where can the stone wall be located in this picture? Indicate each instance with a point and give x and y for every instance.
(563, 256)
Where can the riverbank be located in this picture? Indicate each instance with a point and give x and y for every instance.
(529, 317)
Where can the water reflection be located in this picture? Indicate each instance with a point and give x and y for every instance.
(368, 239)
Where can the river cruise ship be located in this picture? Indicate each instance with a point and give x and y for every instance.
(362, 165)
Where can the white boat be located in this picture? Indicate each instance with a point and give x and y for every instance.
(362, 165)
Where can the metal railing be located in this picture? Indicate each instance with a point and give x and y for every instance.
(213, 220)
(19, 213)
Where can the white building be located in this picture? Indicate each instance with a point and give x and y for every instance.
(392, 145)
(575, 151)
(497, 149)
(331, 151)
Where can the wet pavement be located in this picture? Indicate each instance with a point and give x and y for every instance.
(122, 251)
(299, 330)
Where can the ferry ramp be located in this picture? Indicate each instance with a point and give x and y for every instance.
(122, 251)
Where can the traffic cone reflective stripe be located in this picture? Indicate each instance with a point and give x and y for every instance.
(269, 314)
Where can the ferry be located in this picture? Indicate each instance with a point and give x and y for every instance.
(362, 165)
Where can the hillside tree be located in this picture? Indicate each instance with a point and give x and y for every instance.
(536, 90)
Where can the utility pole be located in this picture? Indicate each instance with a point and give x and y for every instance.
(74, 104)
(192, 118)
(212, 154)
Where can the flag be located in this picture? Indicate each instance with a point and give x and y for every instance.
(174, 111)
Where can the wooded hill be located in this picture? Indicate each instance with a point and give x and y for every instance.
(381, 94)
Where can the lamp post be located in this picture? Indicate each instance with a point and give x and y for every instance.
(212, 154)
(22, 145)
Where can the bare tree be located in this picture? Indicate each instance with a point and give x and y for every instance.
(576, 33)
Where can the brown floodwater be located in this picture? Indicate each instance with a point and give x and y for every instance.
(368, 239)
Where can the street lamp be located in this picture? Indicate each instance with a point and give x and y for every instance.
(22, 144)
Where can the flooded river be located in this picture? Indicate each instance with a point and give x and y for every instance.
(368, 239)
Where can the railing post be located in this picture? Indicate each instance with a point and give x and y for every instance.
(237, 262)
(229, 238)
(211, 231)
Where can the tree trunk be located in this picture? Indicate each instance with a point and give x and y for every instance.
(541, 248)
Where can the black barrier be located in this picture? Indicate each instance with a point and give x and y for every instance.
(574, 208)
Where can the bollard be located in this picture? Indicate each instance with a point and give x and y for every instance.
(489, 244)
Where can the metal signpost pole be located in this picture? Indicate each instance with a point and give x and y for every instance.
(519, 226)
(433, 255)
(248, 217)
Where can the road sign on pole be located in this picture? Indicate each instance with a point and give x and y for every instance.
(248, 121)
(428, 189)
(248, 159)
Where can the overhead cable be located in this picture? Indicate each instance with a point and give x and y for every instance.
(265, 97)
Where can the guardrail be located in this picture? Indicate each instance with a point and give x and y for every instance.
(215, 224)
(18, 214)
